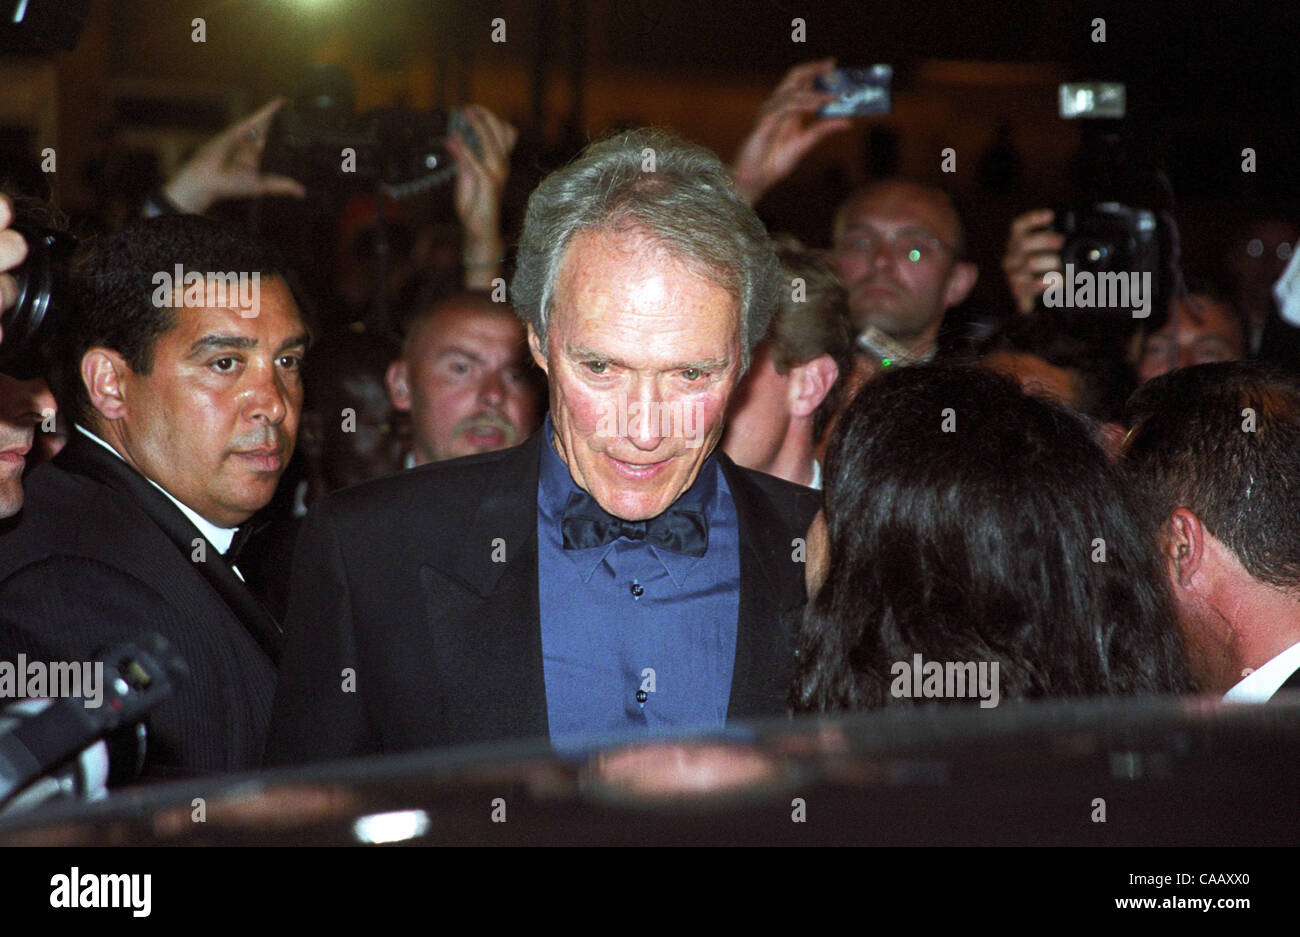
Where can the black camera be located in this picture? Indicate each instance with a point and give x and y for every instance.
(1114, 260)
(44, 300)
(320, 140)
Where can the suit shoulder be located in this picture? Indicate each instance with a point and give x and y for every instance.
(795, 504)
(68, 514)
(452, 479)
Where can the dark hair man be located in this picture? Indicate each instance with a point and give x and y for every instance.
(783, 404)
(1217, 449)
(182, 377)
(465, 377)
(612, 575)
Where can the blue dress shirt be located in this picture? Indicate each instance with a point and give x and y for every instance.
(636, 640)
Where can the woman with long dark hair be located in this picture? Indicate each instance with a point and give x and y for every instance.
(966, 523)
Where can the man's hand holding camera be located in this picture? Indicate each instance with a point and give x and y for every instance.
(782, 136)
(480, 185)
(13, 251)
(1033, 251)
(229, 166)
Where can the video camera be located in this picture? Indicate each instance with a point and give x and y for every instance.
(320, 140)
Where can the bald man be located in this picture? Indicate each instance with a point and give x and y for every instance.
(466, 378)
(899, 247)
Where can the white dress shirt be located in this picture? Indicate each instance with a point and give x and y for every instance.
(219, 537)
(1260, 684)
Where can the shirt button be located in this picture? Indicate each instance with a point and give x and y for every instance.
(642, 696)
(637, 590)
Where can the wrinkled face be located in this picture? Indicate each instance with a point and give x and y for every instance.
(894, 247)
(216, 420)
(642, 356)
(23, 405)
(1207, 332)
(1038, 377)
(466, 383)
(759, 413)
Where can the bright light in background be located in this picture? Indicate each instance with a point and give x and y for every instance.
(391, 827)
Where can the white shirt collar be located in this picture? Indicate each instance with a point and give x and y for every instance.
(1260, 684)
(219, 537)
(816, 482)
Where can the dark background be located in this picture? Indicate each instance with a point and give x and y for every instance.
(1204, 81)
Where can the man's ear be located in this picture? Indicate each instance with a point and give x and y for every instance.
(539, 353)
(810, 382)
(1184, 542)
(397, 381)
(104, 372)
(960, 282)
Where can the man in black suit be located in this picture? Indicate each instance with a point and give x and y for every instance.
(611, 577)
(181, 373)
(1217, 448)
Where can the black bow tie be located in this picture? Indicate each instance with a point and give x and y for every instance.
(586, 524)
(239, 541)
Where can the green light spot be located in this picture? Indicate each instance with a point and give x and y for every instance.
(886, 362)
(914, 255)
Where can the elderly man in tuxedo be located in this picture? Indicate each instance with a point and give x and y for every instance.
(185, 395)
(613, 576)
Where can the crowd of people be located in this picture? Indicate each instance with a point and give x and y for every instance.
(682, 472)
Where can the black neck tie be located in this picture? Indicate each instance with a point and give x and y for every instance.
(586, 524)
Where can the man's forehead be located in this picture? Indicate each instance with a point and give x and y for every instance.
(900, 205)
(194, 324)
(458, 318)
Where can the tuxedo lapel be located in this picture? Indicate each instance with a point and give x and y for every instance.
(85, 457)
(485, 616)
(769, 602)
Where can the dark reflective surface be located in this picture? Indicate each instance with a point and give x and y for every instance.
(1164, 772)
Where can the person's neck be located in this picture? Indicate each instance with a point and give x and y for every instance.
(794, 460)
(1268, 621)
(1265, 621)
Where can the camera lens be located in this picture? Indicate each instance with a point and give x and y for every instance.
(42, 293)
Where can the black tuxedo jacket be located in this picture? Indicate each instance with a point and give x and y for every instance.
(99, 556)
(414, 618)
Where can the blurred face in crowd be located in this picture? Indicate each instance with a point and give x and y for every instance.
(215, 421)
(1260, 255)
(634, 332)
(1038, 377)
(23, 405)
(464, 379)
(895, 247)
(367, 448)
(1207, 332)
(758, 415)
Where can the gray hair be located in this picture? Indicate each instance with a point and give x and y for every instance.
(677, 193)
